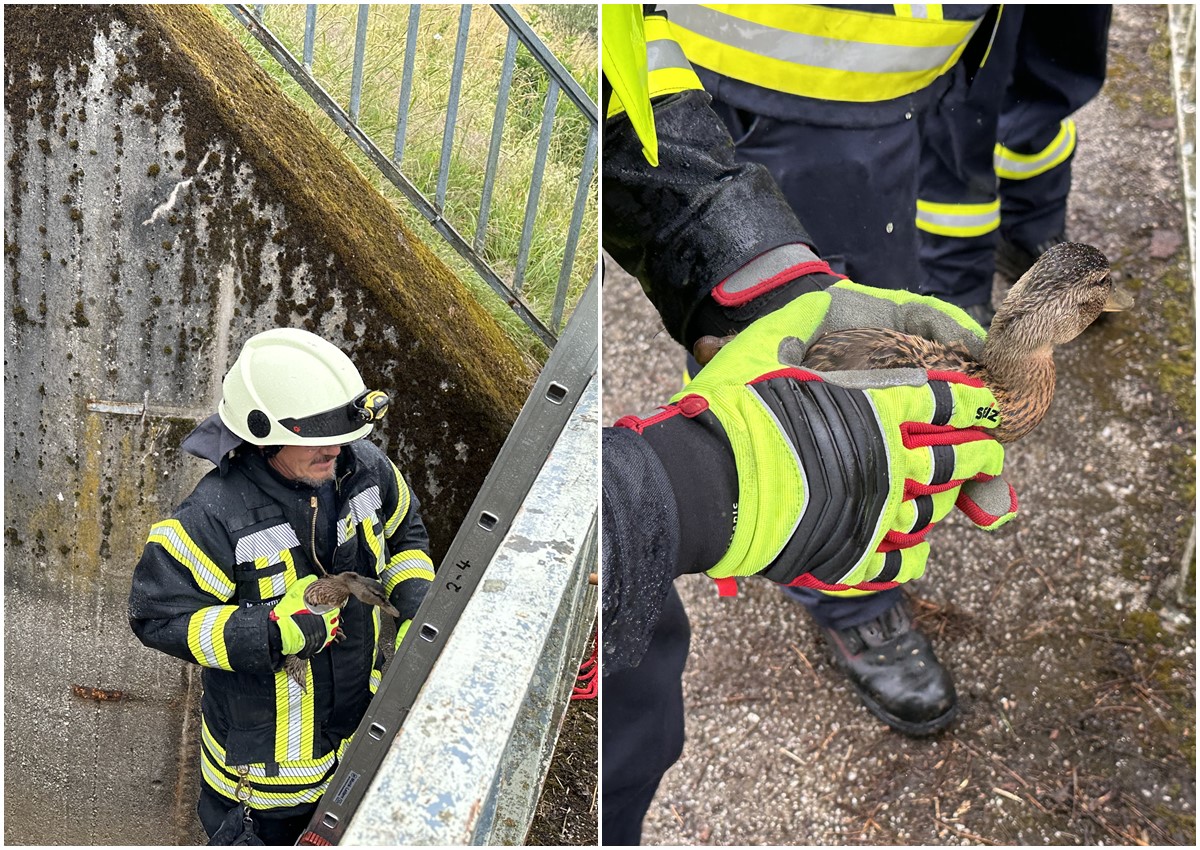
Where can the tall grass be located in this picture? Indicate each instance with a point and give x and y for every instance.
(570, 33)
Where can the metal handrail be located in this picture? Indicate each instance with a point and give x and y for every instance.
(471, 250)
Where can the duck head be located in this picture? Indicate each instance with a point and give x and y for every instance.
(1062, 293)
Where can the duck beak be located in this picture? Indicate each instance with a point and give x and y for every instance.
(1119, 299)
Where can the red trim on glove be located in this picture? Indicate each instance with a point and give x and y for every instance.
(789, 372)
(692, 405)
(977, 514)
(726, 586)
(900, 540)
(634, 423)
(807, 580)
(954, 378)
(912, 488)
(737, 299)
(920, 435)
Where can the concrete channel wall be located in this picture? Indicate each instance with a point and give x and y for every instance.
(163, 202)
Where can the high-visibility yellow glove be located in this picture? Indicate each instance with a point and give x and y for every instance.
(303, 632)
(829, 480)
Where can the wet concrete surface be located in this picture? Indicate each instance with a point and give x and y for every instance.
(1070, 633)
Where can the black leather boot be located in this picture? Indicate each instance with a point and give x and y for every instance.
(894, 670)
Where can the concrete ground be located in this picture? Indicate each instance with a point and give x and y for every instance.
(1071, 632)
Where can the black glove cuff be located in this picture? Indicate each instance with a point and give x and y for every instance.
(685, 226)
(698, 460)
(312, 626)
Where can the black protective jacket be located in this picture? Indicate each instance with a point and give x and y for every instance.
(209, 576)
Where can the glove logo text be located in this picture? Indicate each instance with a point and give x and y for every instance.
(989, 413)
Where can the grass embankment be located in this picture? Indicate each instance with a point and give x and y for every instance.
(569, 32)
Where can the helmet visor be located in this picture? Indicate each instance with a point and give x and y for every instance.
(367, 407)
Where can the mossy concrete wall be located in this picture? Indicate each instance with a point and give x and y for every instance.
(163, 202)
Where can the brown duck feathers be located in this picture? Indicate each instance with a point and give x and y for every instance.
(1062, 294)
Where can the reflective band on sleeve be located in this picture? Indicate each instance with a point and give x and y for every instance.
(170, 535)
(820, 53)
(668, 70)
(402, 502)
(404, 566)
(206, 636)
(1011, 165)
(962, 220)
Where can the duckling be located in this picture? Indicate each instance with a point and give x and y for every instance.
(334, 591)
(1056, 300)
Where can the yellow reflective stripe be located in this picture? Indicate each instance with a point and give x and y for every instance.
(929, 11)
(271, 586)
(668, 70)
(259, 798)
(297, 772)
(345, 529)
(666, 81)
(294, 730)
(1011, 165)
(623, 55)
(206, 636)
(364, 506)
(373, 543)
(376, 678)
(406, 565)
(169, 534)
(961, 220)
(403, 500)
(668, 67)
(814, 52)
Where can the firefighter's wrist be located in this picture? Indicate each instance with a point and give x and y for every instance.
(698, 462)
(765, 284)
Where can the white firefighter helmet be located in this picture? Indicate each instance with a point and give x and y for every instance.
(289, 387)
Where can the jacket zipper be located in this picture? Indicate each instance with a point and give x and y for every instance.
(312, 540)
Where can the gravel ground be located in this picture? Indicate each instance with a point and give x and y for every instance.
(1070, 636)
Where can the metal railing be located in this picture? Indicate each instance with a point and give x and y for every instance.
(1181, 26)
(474, 249)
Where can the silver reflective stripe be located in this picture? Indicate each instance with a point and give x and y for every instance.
(664, 53)
(366, 503)
(919, 10)
(767, 266)
(299, 745)
(1014, 166)
(801, 49)
(986, 220)
(267, 543)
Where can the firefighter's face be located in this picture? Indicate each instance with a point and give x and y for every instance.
(311, 465)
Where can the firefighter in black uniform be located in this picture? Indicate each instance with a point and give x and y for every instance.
(297, 492)
(962, 109)
(997, 150)
(707, 485)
